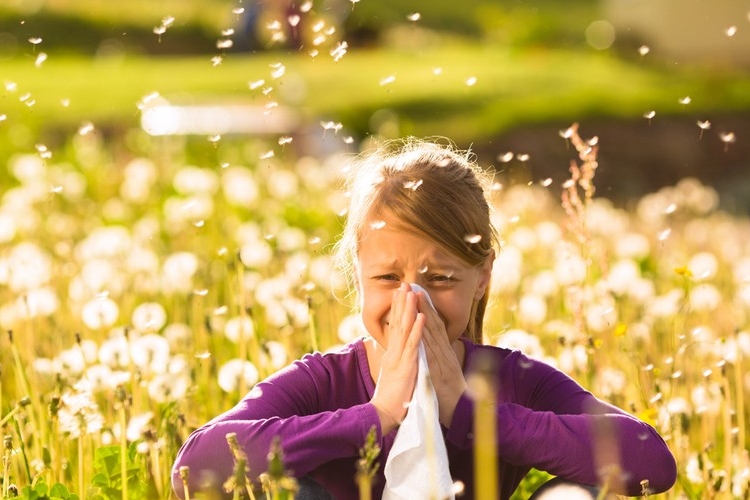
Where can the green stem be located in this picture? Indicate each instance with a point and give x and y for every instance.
(123, 452)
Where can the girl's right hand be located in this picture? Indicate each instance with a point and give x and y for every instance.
(398, 366)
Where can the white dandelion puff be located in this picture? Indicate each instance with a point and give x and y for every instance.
(239, 328)
(233, 371)
(100, 313)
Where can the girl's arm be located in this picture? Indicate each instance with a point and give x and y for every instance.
(547, 421)
(288, 406)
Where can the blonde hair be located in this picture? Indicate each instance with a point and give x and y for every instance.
(431, 189)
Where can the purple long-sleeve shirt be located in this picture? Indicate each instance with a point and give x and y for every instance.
(320, 408)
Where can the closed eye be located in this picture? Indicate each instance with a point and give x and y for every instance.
(387, 277)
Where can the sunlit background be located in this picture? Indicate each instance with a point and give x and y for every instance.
(169, 175)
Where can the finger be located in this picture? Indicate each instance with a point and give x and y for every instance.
(402, 317)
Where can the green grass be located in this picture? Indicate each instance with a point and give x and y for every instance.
(512, 87)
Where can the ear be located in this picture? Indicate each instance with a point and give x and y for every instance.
(485, 273)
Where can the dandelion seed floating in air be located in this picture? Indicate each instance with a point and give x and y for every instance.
(731, 31)
(505, 157)
(277, 70)
(40, 59)
(727, 138)
(643, 50)
(256, 84)
(378, 224)
(86, 128)
(43, 151)
(339, 50)
(216, 60)
(648, 115)
(285, 140)
(705, 125)
(34, 41)
(224, 43)
(414, 17)
(471, 81)
(330, 125)
(473, 238)
(238, 11)
(227, 32)
(437, 71)
(546, 182)
(685, 100)
(387, 80)
(413, 185)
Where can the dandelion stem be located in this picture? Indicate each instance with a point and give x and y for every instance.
(121, 397)
(7, 451)
(313, 328)
(184, 474)
(81, 483)
(486, 476)
(243, 318)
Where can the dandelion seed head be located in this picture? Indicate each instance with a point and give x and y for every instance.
(100, 313)
(232, 371)
(150, 353)
(149, 317)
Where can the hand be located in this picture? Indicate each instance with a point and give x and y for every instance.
(445, 368)
(399, 364)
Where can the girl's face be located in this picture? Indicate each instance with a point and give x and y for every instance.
(389, 256)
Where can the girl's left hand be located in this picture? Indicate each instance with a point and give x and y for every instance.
(445, 368)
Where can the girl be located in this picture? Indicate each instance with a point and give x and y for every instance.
(420, 215)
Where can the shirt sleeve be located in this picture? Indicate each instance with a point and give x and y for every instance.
(286, 405)
(548, 421)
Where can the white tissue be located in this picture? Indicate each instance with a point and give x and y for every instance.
(417, 465)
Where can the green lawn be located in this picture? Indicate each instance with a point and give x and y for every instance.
(429, 88)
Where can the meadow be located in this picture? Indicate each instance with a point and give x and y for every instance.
(147, 282)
